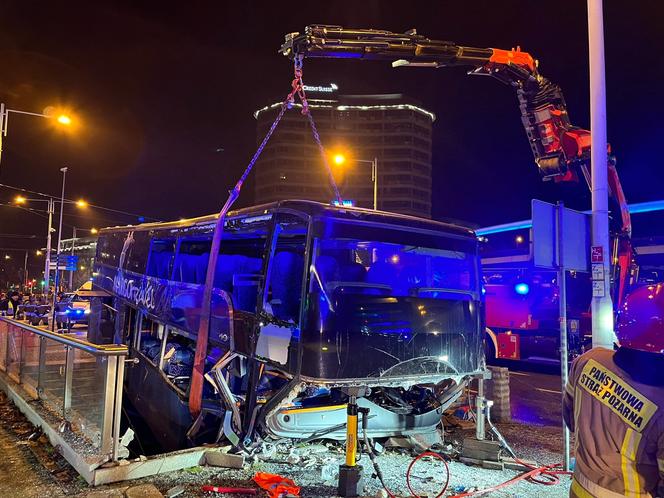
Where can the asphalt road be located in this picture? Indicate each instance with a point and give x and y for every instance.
(536, 397)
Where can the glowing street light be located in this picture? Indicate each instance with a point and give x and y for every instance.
(7, 256)
(19, 199)
(49, 113)
(94, 231)
(81, 203)
(38, 252)
(63, 119)
(339, 159)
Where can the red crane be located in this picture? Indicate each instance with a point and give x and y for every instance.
(561, 150)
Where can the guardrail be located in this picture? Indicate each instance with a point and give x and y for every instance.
(77, 381)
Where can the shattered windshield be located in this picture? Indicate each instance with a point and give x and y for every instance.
(408, 299)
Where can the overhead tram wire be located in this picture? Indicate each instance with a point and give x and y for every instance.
(71, 215)
(42, 194)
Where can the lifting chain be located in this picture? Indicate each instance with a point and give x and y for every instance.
(298, 89)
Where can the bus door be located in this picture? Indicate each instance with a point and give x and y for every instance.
(279, 325)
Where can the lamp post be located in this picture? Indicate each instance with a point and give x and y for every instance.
(57, 258)
(341, 159)
(62, 119)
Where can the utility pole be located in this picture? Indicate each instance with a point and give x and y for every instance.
(25, 271)
(3, 126)
(51, 210)
(374, 177)
(602, 307)
(57, 258)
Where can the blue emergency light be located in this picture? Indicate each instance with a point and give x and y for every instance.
(522, 288)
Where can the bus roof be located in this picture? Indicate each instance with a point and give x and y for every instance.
(311, 208)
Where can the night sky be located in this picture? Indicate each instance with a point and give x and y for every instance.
(160, 88)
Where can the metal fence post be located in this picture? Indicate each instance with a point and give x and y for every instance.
(18, 349)
(119, 385)
(69, 375)
(110, 373)
(3, 361)
(42, 365)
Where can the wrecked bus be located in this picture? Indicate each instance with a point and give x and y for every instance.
(309, 300)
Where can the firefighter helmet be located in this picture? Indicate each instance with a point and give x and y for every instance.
(641, 321)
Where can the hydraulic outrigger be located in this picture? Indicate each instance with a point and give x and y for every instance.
(561, 150)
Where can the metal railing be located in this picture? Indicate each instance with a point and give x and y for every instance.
(77, 381)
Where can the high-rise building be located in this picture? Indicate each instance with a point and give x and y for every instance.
(391, 130)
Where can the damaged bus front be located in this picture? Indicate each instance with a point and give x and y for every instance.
(309, 301)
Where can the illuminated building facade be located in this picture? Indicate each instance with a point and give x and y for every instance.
(393, 129)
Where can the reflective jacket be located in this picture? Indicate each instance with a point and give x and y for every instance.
(618, 425)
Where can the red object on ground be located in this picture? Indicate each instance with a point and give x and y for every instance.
(276, 485)
(237, 491)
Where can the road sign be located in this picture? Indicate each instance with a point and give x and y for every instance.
(65, 262)
(598, 271)
(598, 288)
(575, 237)
(561, 238)
(597, 254)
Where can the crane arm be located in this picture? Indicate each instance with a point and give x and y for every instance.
(561, 150)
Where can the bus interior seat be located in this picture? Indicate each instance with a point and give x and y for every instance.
(382, 272)
(352, 272)
(327, 268)
(286, 276)
(160, 264)
(185, 268)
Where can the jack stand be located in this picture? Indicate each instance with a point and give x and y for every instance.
(351, 481)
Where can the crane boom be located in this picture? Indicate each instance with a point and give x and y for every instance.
(561, 150)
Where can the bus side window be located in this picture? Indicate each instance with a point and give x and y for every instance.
(191, 261)
(239, 270)
(177, 361)
(160, 260)
(284, 289)
(150, 339)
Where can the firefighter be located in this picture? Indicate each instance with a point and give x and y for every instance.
(614, 403)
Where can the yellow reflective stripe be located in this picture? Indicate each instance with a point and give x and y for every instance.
(569, 388)
(577, 411)
(619, 396)
(579, 491)
(628, 463)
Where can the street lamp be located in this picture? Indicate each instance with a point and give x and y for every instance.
(61, 118)
(20, 199)
(340, 159)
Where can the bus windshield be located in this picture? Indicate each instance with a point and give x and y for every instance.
(364, 260)
(408, 298)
